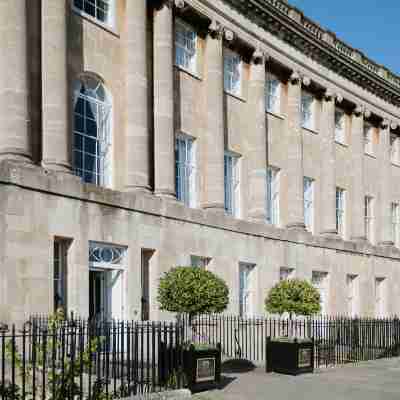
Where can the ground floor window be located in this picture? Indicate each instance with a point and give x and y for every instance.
(199, 262)
(352, 295)
(60, 261)
(246, 289)
(320, 282)
(286, 273)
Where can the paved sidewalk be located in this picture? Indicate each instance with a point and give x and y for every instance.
(376, 380)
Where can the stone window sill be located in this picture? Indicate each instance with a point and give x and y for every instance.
(192, 74)
(235, 96)
(280, 116)
(93, 20)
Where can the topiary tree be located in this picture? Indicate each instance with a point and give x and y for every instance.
(192, 291)
(294, 296)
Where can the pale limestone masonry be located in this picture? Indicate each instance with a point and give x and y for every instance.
(132, 55)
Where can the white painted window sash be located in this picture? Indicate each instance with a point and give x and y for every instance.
(309, 203)
(273, 94)
(232, 184)
(307, 110)
(232, 72)
(185, 46)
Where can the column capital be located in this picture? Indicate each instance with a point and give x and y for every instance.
(358, 111)
(367, 113)
(259, 57)
(385, 124)
(215, 29)
(394, 125)
(229, 35)
(306, 81)
(328, 95)
(295, 78)
(338, 98)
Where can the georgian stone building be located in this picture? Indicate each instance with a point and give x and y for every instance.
(233, 135)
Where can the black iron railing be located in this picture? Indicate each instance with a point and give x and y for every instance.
(338, 340)
(75, 359)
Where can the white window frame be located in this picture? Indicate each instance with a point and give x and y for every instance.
(395, 222)
(247, 289)
(380, 297)
(341, 212)
(273, 92)
(309, 190)
(320, 280)
(185, 170)
(99, 101)
(352, 288)
(109, 21)
(340, 126)
(272, 201)
(394, 149)
(368, 134)
(369, 218)
(307, 110)
(286, 273)
(232, 72)
(232, 184)
(185, 46)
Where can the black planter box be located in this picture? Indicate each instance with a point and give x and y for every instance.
(202, 367)
(290, 356)
(200, 364)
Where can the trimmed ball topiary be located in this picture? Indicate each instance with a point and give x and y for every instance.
(293, 296)
(192, 291)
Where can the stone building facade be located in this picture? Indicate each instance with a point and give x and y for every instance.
(237, 136)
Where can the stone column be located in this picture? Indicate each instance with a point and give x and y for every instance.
(357, 173)
(15, 141)
(257, 147)
(385, 220)
(137, 150)
(164, 135)
(328, 176)
(294, 168)
(214, 138)
(56, 136)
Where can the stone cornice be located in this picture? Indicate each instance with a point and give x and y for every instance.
(291, 26)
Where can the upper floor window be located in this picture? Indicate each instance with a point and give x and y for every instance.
(273, 94)
(309, 203)
(340, 211)
(395, 211)
(185, 170)
(102, 10)
(232, 72)
(368, 139)
(340, 125)
(369, 217)
(185, 46)
(307, 110)
(394, 149)
(92, 132)
(232, 184)
(273, 196)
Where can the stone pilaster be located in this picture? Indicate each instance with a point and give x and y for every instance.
(56, 135)
(215, 144)
(137, 135)
(357, 173)
(15, 141)
(295, 168)
(164, 135)
(385, 217)
(257, 139)
(328, 176)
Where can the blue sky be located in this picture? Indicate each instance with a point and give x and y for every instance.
(373, 26)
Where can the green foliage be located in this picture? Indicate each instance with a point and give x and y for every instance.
(192, 291)
(294, 296)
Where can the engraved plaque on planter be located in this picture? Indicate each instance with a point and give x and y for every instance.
(205, 370)
(304, 358)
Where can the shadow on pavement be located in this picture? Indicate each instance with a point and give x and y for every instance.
(237, 366)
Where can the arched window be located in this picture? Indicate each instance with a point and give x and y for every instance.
(102, 10)
(92, 132)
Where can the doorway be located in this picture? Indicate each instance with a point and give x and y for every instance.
(98, 295)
